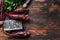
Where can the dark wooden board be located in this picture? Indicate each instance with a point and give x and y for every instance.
(44, 22)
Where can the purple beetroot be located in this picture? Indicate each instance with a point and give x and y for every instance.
(20, 34)
(18, 16)
(1, 12)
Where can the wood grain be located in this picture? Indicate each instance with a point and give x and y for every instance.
(44, 22)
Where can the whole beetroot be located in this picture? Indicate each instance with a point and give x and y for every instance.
(18, 17)
(20, 34)
(1, 12)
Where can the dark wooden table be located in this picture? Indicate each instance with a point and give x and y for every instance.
(44, 22)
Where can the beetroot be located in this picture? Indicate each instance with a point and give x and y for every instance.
(18, 17)
(1, 12)
(18, 10)
(20, 34)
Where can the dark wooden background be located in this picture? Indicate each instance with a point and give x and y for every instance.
(44, 21)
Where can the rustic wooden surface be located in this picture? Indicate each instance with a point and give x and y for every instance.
(44, 22)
